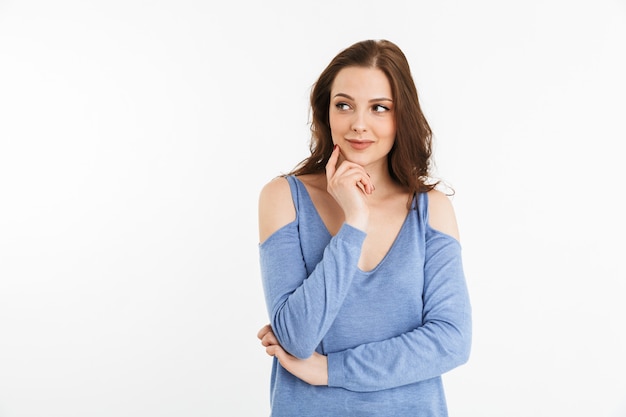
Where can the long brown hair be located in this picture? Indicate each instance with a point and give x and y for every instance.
(410, 157)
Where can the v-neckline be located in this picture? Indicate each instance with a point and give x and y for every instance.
(393, 244)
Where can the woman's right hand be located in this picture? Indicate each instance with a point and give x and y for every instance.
(349, 184)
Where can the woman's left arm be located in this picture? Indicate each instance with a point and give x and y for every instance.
(442, 343)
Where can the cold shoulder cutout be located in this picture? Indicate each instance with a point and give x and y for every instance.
(276, 207)
(440, 214)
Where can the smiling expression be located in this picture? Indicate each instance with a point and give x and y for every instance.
(361, 115)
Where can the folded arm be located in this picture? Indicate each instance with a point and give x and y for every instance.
(442, 343)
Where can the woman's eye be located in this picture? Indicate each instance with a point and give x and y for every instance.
(379, 108)
(342, 106)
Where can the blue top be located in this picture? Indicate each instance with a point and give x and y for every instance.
(389, 333)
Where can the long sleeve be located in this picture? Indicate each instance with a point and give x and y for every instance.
(440, 344)
(301, 307)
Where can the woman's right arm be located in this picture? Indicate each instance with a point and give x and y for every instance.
(301, 307)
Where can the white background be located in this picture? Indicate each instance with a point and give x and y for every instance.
(135, 137)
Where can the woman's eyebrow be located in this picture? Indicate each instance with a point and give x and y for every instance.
(352, 98)
(344, 95)
(381, 99)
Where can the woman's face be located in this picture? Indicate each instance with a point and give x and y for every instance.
(361, 115)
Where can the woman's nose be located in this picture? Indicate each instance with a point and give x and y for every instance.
(358, 123)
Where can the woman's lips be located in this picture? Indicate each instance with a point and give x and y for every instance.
(359, 144)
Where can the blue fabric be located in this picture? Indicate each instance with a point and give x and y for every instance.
(389, 333)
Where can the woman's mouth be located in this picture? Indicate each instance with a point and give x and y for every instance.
(359, 144)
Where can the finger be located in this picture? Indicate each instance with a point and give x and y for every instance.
(331, 165)
(278, 352)
(357, 174)
(371, 184)
(365, 181)
(366, 185)
(361, 186)
(275, 350)
(269, 339)
(263, 331)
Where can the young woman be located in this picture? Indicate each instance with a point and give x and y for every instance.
(360, 254)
